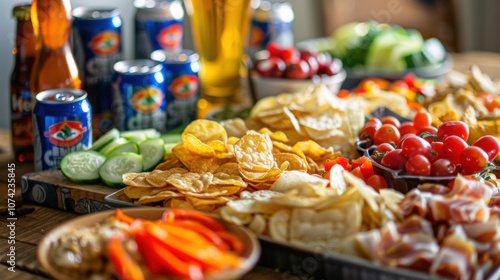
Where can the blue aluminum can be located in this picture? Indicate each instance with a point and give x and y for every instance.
(183, 90)
(158, 25)
(272, 21)
(139, 95)
(62, 123)
(97, 46)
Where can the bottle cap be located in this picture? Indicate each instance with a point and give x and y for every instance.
(22, 12)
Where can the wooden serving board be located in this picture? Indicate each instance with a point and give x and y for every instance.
(52, 189)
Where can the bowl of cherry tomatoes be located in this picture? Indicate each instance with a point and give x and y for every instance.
(278, 70)
(414, 152)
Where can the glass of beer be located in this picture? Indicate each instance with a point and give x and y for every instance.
(220, 31)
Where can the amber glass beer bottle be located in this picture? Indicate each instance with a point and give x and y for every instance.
(20, 95)
(55, 65)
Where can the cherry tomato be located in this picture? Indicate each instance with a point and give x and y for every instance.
(452, 148)
(394, 159)
(290, 55)
(457, 128)
(377, 182)
(391, 120)
(297, 70)
(381, 150)
(374, 120)
(473, 159)
(489, 144)
(311, 59)
(422, 119)
(418, 165)
(407, 128)
(387, 133)
(274, 49)
(368, 131)
(428, 130)
(271, 67)
(331, 68)
(443, 167)
(437, 150)
(411, 80)
(414, 145)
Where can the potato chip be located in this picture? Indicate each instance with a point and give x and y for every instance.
(233, 140)
(190, 181)
(304, 184)
(278, 225)
(230, 168)
(206, 130)
(282, 147)
(256, 176)
(161, 196)
(198, 202)
(221, 178)
(294, 162)
(258, 224)
(214, 191)
(204, 164)
(138, 192)
(234, 127)
(255, 151)
(136, 180)
(196, 146)
(237, 218)
(158, 178)
(313, 150)
(173, 162)
(184, 155)
(275, 136)
(180, 203)
(218, 146)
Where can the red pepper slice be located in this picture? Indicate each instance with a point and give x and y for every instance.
(204, 231)
(365, 165)
(184, 214)
(126, 268)
(344, 162)
(207, 256)
(122, 217)
(163, 262)
(234, 242)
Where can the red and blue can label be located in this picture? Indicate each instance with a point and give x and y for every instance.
(97, 46)
(158, 27)
(139, 95)
(182, 92)
(62, 123)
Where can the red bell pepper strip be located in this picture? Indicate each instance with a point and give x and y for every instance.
(365, 165)
(208, 256)
(163, 262)
(184, 214)
(344, 162)
(122, 217)
(202, 230)
(126, 268)
(235, 243)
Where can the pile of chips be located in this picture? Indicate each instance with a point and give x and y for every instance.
(215, 162)
(319, 115)
(313, 212)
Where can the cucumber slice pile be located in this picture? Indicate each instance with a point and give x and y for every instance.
(116, 153)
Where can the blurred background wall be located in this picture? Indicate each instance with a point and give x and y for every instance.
(461, 24)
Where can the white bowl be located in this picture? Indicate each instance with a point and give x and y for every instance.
(267, 86)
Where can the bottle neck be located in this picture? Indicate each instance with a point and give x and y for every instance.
(24, 50)
(52, 21)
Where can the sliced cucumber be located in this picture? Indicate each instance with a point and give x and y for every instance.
(172, 137)
(148, 133)
(153, 152)
(82, 166)
(111, 146)
(129, 147)
(114, 167)
(105, 139)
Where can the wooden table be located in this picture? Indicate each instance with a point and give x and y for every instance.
(34, 221)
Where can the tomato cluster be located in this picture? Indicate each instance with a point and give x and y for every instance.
(361, 167)
(420, 149)
(292, 63)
